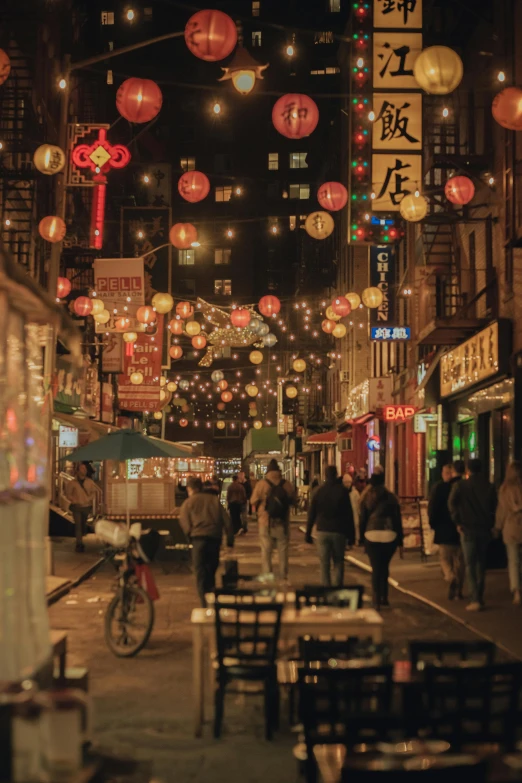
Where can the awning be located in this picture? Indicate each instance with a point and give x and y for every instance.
(90, 428)
(323, 438)
(431, 369)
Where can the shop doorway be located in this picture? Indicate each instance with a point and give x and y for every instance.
(501, 440)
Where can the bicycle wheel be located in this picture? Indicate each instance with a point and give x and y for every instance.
(128, 621)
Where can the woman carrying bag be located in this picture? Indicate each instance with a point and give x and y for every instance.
(508, 520)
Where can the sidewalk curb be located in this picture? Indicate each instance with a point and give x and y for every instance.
(58, 594)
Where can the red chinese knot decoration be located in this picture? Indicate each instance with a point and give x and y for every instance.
(269, 305)
(459, 190)
(210, 35)
(507, 108)
(182, 235)
(139, 100)
(63, 287)
(341, 306)
(83, 306)
(295, 115)
(240, 317)
(193, 186)
(332, 196)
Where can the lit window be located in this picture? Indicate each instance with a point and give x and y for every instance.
(223, 287)
(334, 6)
(187, 164)
(300, 191)
(256, 7)
(224, 193)
(256, 38)
(273, 161)
(324, 37)
(222, 255)
(293, 222)
(107, 17)
(298, 160)
(325, 71)
(333, 70)
(186, 257)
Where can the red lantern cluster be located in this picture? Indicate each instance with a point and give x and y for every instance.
(295, 115)
(210, 35)
(269, 305)
(459, 190)
(507, 108)
(182, 235)
(83, 306)
(332, 196)
(139, 100)
(176, 352)
(176, 326)
(240, 318)
(328, 326)
(341, 306)
(199, 342)
(146, 314)
(63, 287)
(52, 228)
(193, 186)
(184, 310)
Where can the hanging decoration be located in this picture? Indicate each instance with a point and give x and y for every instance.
(413, 208)
(255, 324)
(291, 392)
(183, 422)
(176, 352)
(331, 315)
(264, 329)
(269, 340)
(507, 108)
(217, 376)
(354, 299)
(328, 326)
(256, 357)
(268, 305)
(295, 115)
(145, 314)
(158, 415)
(438, 70)
(192, 328)
(220, 424)
(129, 338)
(227, 396)
(372, 297)
(103, 317)
(176, 326)
(52, 228)
(319, 225)
(299, 365)
(221, 406)
(210, 35)
(172, 386)
(63, 288)
(251, 390)
(222, 386)
(139, 100)
(5, 66)
(97, 306)
(136, 378)
(184, 385)
(258, 424)
(252, 413)
(341, 306)
(199, 342)
(184, 310)
(83, 306)
(339, 331)
(193, 186)
(332, 196)
(243, 70)
(240, 317)
(163, 303)
(49, 159)
(459, 190)
(183, 235)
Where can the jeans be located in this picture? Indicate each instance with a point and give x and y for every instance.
(330, 547)
(452, 564)
(80, 515)
(205, 559)
(380, 555)
(235, 509)
(276, 536)
(514, 555)
(475, 550)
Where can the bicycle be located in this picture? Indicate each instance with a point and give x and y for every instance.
(129, 618)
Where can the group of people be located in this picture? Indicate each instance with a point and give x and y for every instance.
(465, 514)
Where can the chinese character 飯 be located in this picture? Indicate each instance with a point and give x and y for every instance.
(394, 126)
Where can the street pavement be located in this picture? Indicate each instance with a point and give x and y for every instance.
(142, 707)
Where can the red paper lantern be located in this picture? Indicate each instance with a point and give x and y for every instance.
(5, 66)
(199, 342)
(221, 406)
(176, 326)
(222, 385)
(295, 115)
(145, 315)
(193, 186)
(227, 396)
(183, 422)
(341, 306)
(63, 287)
(176, 352)
(240, 317)
(507, 108)
(182, 235)
(83, 306)
(269, 305)
(328, 326)
(184, 310)
(332, 196)
(139, 100)
(459, 190)
(210, 35)
(52, 228)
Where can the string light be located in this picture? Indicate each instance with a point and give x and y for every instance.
(501, 76)
(216, 108)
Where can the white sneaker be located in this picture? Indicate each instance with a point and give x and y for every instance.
(474, 606)
(517, 600)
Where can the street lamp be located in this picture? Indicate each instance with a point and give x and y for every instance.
(243, 70)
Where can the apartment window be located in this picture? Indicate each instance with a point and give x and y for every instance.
(298, 160)
(223, 287)
(324, 37)
(187, 257)
(256, 38)
(300, 191)
(188, 164)
(273, 161)
(256, 7)
(222, 255)
(107, 17)
(334, 6)
(325, 71)
(224, 193)
(293, 222)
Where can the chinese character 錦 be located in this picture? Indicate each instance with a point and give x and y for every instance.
(401, 52)
(406, 6)
(399, 181)
(393, 125)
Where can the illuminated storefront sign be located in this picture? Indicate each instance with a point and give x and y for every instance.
(374, 443)
(390, 333)
(471, 362)
(67, 437)
(382, 276)
(398, 412)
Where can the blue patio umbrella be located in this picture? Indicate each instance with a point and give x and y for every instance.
(124, 445)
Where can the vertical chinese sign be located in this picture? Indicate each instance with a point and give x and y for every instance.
(146, 360)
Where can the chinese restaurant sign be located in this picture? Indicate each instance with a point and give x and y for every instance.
(388, 334)
(147, 360)
(382, 276)
(116, 281)
(394, 56)
(398, 14)
(398, 121)
(471, 362)
(394, 176)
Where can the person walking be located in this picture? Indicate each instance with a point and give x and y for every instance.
(361, 480)
(245, 483)
(272, 499)
(355, 500)
(381, 531)
(508, 521)
(236, 502)
(331, 512)
(446, 534)
(203, 520)
(81, 493)
(472, 504)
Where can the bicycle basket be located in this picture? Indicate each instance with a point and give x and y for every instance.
(112, 533)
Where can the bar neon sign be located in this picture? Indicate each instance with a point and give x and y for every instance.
(398, 412)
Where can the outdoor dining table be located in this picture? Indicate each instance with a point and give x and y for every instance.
(313, 621)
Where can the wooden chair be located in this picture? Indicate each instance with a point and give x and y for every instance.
(426, 653)
(247, 635)
(431, 769)
(244, 596)
(350, 597)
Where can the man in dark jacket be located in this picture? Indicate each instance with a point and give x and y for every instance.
(446, 534)
(331, 511)
(472, 505)
(236, 501)
(203, 520)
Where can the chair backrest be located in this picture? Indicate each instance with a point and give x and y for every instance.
(312, 649)
(247, 632)
(426, 653)
(331, 701)
(350, 597)
(473, 704)
(245, 596)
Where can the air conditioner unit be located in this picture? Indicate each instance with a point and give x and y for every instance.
(344, 376)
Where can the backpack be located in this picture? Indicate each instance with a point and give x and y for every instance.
(277, 503)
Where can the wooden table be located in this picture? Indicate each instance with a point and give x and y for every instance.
(327, 621)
